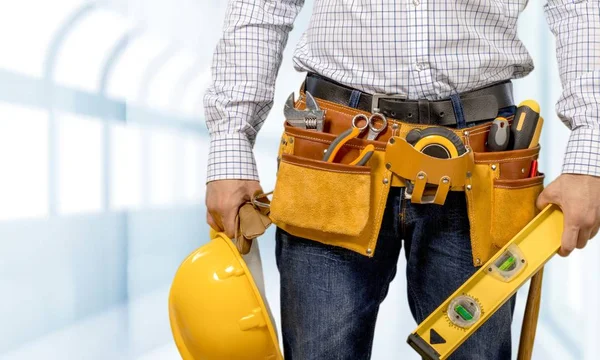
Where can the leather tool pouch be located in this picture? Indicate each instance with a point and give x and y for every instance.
(343, 205)
(333, 203)
(501, 199)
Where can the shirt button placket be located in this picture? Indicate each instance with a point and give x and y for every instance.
(420, 37)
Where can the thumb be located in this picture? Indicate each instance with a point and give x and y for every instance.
(547, 197)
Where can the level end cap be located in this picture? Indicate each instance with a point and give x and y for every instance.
(422, 347)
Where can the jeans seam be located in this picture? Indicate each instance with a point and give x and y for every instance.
(417, 302)
(402, 218)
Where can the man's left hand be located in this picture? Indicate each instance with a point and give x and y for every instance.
(579, 198)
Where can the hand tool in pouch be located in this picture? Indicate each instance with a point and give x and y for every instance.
(438, 336)
(353, 133)
(311, 118)
(527, 126)
(499, 135)
(438, 142)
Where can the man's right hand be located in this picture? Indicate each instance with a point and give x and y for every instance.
(223, 200)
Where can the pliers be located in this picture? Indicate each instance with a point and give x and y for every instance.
(341, 140)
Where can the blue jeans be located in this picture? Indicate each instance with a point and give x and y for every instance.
(330, 296)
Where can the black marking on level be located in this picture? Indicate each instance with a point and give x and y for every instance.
(435, 338)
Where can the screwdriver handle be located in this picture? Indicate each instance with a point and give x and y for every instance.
(499, 135)
(526, 126)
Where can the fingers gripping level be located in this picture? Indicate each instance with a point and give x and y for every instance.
(489, 288)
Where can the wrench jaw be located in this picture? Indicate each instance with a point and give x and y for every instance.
(311, 118)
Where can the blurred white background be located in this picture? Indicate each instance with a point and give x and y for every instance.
(103, 152)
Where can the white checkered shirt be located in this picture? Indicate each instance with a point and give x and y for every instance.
(420, 48)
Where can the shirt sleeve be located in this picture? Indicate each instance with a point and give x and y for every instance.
(576, 25)
(244, 69)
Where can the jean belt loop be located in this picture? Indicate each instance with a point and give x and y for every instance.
(354, 98)
(459, 113)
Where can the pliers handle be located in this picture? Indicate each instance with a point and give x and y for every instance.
(341, 140)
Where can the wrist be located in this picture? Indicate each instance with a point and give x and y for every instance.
(231, 157)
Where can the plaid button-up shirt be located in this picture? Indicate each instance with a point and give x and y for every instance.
(419, 48)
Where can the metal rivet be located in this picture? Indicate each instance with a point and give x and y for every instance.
(523, 171)
(386, 181)
(325, 151)
(392, 141)
(494, 167)
(388, 166)
(421, 176)
(283, 141)
(395, 126)
(445, 180)
(478, 261)
(369, 251)
(466, 133)
(291, 140)
(469, 174)
(469, 187)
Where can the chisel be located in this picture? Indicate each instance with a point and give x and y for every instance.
(527, 126)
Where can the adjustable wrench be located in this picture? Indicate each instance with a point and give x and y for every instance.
(311, 118)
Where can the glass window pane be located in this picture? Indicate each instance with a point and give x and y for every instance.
(192, 103)
(162, 167)
(26, 52)
(163, 90)
(195, 156)
(80, 160)
(126, 167)
(85, 50)
(128, 74)
(24, 162)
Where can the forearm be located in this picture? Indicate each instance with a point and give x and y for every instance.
(576, 25)
(244, 70)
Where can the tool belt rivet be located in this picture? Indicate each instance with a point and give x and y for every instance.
(445, 180)
(523, 170)
(386, 181)
(469, 187)
(392, 141)
(421, 175)
(388, 166)
(493, 167)
(369, 251)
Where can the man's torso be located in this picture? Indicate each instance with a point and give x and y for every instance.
(420, 48)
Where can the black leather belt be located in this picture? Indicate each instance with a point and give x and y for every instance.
(478, 105)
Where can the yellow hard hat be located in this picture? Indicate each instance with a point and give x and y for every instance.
(216, 310)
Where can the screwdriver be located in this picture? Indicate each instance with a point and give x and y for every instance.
(499, 135)
(526, 126)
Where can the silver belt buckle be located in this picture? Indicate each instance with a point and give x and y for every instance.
(376, 97)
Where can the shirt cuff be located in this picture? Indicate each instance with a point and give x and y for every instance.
(583, 152)
(230, 156)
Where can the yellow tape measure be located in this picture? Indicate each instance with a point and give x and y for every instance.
(438, 336)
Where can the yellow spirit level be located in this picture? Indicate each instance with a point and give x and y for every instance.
(490, 287)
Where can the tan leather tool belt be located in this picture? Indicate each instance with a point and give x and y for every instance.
(343, 205)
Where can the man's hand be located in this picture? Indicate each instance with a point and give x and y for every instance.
(223, 200)
(579, 198)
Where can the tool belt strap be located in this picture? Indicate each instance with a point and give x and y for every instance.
(478, 105)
